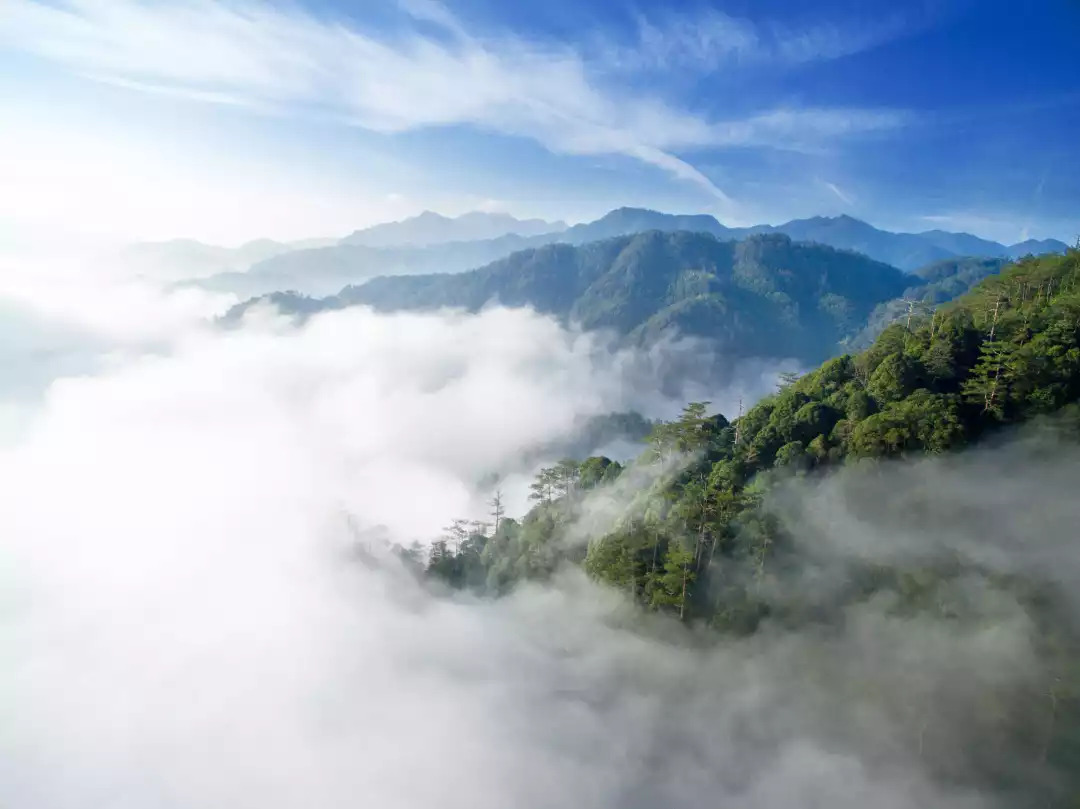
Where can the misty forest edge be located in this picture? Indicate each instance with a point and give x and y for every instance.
(704, 542)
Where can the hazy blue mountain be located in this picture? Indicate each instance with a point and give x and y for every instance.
(961, 244)
(908, 251)
(1036, 247)
(625, 221)
(180, 259)
(430, 228)
(764, 296)
(904, 250)
(326, 270)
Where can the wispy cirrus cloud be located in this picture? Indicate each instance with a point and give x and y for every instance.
(291, 61)
(838, 192)
(711, 39)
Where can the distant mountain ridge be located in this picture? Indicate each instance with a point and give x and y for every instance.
(430, 228)
(908, 251)
(326, 269)
(1036, 247)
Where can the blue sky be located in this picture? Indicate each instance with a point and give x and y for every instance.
(230, 120)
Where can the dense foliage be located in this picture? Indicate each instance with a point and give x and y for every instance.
(1006, 353)
(696, 537)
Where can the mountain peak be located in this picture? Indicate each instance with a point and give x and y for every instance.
(631, 209)
(842, 219)
(430, 228)
(626, 212)
(626, 220)
(1036, 247)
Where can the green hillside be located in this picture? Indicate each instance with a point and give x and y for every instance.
(737, 536)
(933, 284)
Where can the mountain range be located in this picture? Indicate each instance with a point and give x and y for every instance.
(764, 296)
(384, 249)
(908, 251)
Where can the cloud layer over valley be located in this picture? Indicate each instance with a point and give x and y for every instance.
(187, 622)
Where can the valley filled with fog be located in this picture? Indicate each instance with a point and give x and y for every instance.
(186, 620)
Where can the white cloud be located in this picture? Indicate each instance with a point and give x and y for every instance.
(840, 194)
(805, 129)
(293, 61)
(391, 404)
(832, 41)
(679, 41)
(387, 405)
(709, 40)
(184, 624)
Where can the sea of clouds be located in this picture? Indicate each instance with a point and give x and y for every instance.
(184, 622)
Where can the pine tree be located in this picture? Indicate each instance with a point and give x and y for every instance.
(457, 532)
(498, 511)
(691, 427)
(543, 488)
(566, 474)
(988, 380)
(673, 584)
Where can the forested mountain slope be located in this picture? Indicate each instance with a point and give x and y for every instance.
(1005, 354)
(764, 296)
(786, 520)
(933, 284)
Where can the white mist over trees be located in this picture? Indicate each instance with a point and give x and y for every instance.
(184, 619)
(187, 621)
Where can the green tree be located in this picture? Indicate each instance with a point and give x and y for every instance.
(987, 384)
(893, 379)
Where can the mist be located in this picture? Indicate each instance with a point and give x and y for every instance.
(184, 618)
(187, 622)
